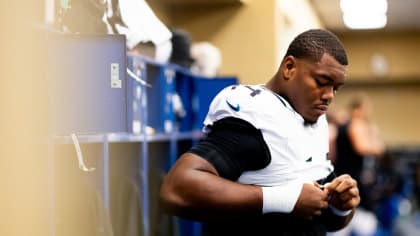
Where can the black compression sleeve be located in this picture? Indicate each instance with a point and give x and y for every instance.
(233, 146)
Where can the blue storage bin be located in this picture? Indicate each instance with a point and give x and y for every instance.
(136, 106)
(171, 87)
(184, 89)
(151, 106)
(161, 116)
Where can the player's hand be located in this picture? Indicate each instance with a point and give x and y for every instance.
(310, 202)
(344, 193)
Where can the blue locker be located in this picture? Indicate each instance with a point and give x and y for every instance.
(161, 116)
(136, 91)
(205, 89)
(184, 89)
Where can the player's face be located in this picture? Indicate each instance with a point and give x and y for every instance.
(315, 84)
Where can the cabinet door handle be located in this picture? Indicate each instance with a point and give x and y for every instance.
(137, 78)
(79, 155)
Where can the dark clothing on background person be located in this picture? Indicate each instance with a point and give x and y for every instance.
(348, 161)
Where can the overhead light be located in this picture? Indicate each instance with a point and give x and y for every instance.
(368, 21)
(364, 14)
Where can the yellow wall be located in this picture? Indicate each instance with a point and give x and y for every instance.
(395, 95)
(289, 22)
(401, 50)
(243, 32)
(23, 99)
(396, 111)
(251, 35)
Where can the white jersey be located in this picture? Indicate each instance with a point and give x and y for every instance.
(298, 150)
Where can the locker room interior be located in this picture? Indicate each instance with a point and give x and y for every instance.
(82, 158)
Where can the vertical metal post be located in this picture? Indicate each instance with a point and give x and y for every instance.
(144, 169)
(106, 189)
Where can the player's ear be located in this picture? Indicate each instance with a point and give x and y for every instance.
(289, 67)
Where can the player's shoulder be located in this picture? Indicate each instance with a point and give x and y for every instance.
(241, 91)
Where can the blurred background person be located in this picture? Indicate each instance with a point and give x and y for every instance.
(357, 146)
(358, 142)
(335, 118)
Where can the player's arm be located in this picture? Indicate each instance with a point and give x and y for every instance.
(201, 185)
(193, 189)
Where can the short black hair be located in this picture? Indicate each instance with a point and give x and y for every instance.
(313, 43)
